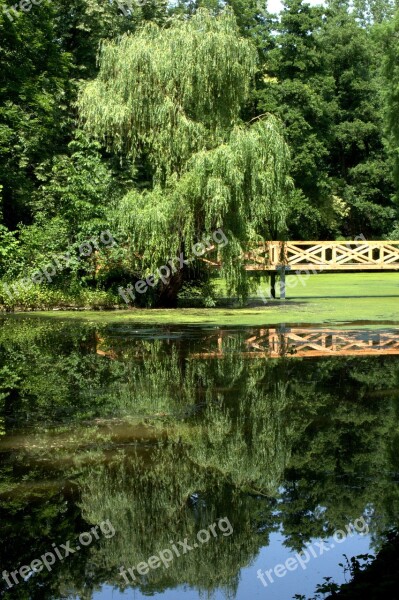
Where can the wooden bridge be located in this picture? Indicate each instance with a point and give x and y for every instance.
(278, 342)
(324, 256)
(296, 257)
(323, 342)
(315, 257)
(306, 342)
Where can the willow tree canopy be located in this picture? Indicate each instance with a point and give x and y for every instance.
(172, 97)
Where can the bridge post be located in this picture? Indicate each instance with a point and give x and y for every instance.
(281, 271)
(273, 284)
(282, 283)
(282, 268)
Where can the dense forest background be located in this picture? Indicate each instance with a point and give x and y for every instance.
(329, 73)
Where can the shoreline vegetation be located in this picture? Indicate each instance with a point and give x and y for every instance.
(326, 298)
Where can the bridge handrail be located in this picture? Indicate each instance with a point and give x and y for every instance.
(328, 255)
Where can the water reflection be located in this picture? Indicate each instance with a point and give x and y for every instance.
(145, 428)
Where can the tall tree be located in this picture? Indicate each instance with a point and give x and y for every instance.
(358, 163)
(323, 80)
(172, 97)
(34, 84)
(298, 88)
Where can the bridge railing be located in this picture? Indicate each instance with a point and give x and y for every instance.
(319, 256)
(304, 342)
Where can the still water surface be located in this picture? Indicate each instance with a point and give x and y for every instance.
(288, 435)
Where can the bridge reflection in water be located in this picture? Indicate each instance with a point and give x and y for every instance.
(308, 342)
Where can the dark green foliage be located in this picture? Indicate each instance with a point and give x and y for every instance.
(34, 93)
(328, 73)
(324, 79)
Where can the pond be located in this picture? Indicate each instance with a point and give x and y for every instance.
(191, 462)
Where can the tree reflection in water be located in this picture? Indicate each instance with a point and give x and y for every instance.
(138, 427)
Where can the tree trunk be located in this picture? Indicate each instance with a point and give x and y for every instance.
(168, 292)
(273, 284)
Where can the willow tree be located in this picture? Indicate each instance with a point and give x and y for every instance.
(171, 98)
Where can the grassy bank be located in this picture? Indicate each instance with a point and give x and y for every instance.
(325, 298)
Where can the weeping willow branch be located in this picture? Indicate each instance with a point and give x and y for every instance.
(174, 97)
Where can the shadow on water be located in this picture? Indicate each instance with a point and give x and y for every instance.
(289, 433)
